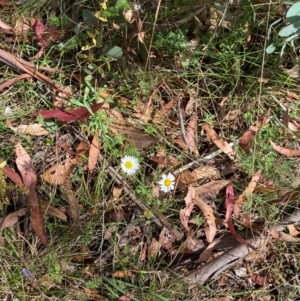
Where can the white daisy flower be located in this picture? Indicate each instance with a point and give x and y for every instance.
(166, 183)
(130, 165)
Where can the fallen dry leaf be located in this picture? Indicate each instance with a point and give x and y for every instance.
(11, 219)
(127, 297)
(192, 243)
(28, 174)
(247, 192)
(212, 188)
(154, 247)
(210, 229)
(25, 167)
(203, 172)
(5, 26)
(68, 115)
(69, 195)
(133, 135)
(34, 129)
(229, 203)
(286, 151)
(189, 205)
(13, 176)
(49, 209)
(58, 174)
(220, 143)
(191, 135)
(94, 151)
(206, 254)
(167, 240)
(122, 274)
(245, 140)
(117, 191)
(22, 66)
(287, 237)
(11, 81)
(293, 231)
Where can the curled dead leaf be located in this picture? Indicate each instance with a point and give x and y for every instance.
(189, 205)
(203, 172)
(11, 219)
(133, 135)
(49, 209)
(248, 191)
(220, 143)
(210, 228)
(94, 151)
(34, 129)
(286, 151)
(245, 140)
(191, 135)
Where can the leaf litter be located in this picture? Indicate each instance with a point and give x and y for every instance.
(203, 199)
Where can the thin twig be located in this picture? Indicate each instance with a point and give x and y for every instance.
(201, 160)
(182, 128)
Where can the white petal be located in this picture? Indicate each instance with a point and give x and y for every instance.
(171, 177)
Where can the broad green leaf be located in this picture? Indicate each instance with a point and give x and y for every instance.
(293, 14)
(288, 30)
(89, 18)
(293, 36)
(115, 52)
(270, 49)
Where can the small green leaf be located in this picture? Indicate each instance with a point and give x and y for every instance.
(271, 48)
(89, 18)
(77, 29)
(115, 52)
(288, 30)
(293, 14)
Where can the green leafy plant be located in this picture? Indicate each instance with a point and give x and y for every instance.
(288, 34)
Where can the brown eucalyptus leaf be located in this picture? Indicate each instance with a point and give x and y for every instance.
(28, 174)
(12, 218)
(133, 135)
(212, 187)
(220, 143)
(94, 151)
(210, 228)
(286, 151)
(34, 129)
(189, 205)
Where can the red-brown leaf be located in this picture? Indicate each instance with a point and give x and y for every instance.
(286, 151)
(28, 174)
(229, 202)
(13, 176)
(68, 115)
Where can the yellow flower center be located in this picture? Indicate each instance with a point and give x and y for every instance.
(167, 182)
(128, 165)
